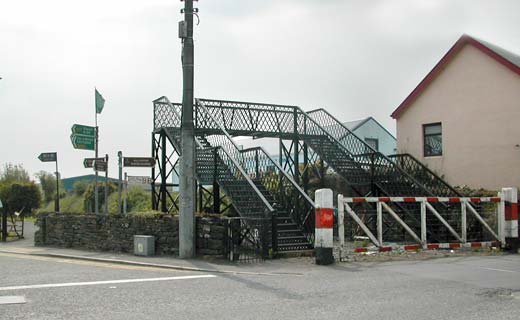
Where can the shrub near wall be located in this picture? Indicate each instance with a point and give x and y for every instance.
(115, 232)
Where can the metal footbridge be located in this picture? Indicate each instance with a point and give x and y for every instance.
(252, 184)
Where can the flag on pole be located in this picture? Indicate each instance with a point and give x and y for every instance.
(100, 102)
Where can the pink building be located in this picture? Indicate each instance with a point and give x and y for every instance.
(463, 119)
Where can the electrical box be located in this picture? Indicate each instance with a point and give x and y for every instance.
(144, 245)
(183, 29)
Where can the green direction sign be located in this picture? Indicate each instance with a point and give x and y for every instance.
(84, 130)
(47, 157)
(83, 142)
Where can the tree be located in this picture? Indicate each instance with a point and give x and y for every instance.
(80, 187)
(17, 191)
(48, 185)
(14, 173)
(89, 195)
(20, 197)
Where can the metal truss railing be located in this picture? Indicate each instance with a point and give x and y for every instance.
(424, 175)
(259, 165)
(249, 118)
(286, 192)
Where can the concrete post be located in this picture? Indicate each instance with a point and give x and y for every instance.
(323, 242)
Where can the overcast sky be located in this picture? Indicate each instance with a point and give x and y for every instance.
(354, 58)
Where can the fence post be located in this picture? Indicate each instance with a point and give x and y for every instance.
(464, 221)
(341, 225)
(4, 225)
(424, 239)
(509, 221)
(380, 223)
(324, 214)
(274, 233)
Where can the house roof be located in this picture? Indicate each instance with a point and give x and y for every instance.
(355, 124)
(502, 56)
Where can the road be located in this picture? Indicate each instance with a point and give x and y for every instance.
(448, 288)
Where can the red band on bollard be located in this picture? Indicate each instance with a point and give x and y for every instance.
(511, 211)
(324, 218)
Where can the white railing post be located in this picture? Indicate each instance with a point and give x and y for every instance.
(423, 224)
(324, 222)
(501, 218)
(509, 219)
(380, 223)
(341, 225)
(464, 221)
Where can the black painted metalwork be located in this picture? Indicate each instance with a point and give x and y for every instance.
(311, 144)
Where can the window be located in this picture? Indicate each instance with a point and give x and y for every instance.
(432, 134)
(374, 143)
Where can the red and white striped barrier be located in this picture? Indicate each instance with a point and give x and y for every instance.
(324, 222)
(430, 246)
(507, 220)
(424, 199)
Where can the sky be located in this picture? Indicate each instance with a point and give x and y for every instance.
(355, 58)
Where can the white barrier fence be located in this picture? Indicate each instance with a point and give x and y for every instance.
(506, 225)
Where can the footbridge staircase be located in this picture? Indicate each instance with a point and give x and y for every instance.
(255, 185)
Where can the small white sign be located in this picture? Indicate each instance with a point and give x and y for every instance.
(139, 180)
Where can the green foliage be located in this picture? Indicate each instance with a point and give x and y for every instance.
(68, 204)
(79, 188)
(20, 197)
(14, 173)
(89, 195)
(138, 200)
(48, 185)
(17, 191)
(469, 192)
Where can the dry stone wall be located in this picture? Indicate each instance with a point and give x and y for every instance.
(115, 232)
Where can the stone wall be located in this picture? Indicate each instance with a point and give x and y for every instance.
(115, 232)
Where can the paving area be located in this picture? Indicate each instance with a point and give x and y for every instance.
(38, 284)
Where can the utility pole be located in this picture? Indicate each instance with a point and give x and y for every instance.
(187, 170)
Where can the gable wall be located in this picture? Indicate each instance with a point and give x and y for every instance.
(478, 102)
(370, 129)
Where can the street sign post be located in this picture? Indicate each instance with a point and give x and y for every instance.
(83, 142)
(53, 157)
(48, 156)
(100, 165)
(89, 162)
(119, 182)
(143, 162)
(83, 130)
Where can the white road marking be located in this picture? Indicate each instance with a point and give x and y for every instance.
(92, 283)
(12, 300)
(501, 270)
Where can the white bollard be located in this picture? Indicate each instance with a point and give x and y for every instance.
(510, 223)
(324, 222)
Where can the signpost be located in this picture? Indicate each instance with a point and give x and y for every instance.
(119, 182)
(100, 165)
(48, 157)
(53, 157)
(83, 142)
(89, 162)
(83, 130)
(142, 162)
